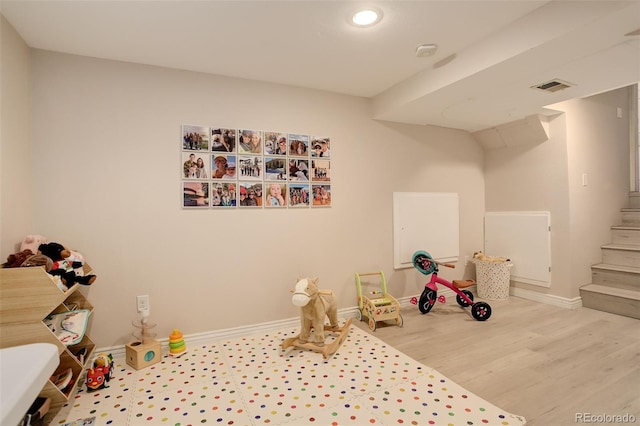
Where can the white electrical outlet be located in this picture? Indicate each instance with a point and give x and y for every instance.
(143, 304)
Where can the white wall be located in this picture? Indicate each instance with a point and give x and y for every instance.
(15, 141)
(534, 178)
(106, 171)
(598, 146)
(586, 138)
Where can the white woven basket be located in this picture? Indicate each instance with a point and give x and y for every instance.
(493, 279)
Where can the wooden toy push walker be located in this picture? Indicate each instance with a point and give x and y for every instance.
(377, 305)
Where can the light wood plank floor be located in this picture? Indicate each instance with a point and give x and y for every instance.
(546, 363)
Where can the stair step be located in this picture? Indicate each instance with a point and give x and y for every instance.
(626, 277)
(621, 254)
(612, 291)
(617, 268)
(627, 235)
(630, 217)
(610, 299)
(615, 283)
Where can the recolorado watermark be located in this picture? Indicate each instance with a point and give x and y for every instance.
(605, 418)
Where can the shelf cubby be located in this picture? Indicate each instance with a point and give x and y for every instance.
(27, 297)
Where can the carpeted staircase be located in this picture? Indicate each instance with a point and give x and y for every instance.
(615, 283)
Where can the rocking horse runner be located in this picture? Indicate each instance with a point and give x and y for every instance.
(314, 305)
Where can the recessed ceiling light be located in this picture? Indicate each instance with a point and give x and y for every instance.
(366, 18)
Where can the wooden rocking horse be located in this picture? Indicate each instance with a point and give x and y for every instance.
(314, 305)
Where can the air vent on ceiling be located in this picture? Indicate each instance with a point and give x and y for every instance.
(553, 85)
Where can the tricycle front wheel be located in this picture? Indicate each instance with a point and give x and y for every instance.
(427, 300)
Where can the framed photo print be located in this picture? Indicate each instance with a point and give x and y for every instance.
(281, 145)
(247, 195)
(195, 138)
(276, 195)
(320, 170)
(223, 194)
(223, 166)
(320, 147)
(195, 194)
(298, 169)
(250, 142)
(298, 145)
(275, 168)
(223, 140)
(271, 143)
(195, 165)
(321, 195)
(250, 167)
(299, 195)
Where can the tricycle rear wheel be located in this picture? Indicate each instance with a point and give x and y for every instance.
(463, 302)
(481, 311)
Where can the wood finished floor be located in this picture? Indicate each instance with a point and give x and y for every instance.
(543, 362)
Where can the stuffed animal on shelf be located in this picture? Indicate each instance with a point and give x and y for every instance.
(63, 266)
(314, 305)
(77, 262)
(32, 242)
(38, 260)
(26, 258)
(17, 259)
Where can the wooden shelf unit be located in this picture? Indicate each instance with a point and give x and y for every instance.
(27, 297)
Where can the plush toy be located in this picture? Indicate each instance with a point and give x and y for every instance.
(26, 258)
(62, 266)
(77, 262)
(484, 258)
(314, 305)
(17, 259)
(32, 242)
(38, 260)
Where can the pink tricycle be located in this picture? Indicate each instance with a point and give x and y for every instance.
(424, 263)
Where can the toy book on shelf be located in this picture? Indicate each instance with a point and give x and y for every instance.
(68, 327)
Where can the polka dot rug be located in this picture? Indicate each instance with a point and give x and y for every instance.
(251, 380)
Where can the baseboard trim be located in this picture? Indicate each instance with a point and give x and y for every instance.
(548, 299)
(344, 313)
(207, 336)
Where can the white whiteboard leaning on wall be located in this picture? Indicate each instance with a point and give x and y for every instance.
(426, 221)
(525, 238)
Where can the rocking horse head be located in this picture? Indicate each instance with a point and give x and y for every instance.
(306, 289)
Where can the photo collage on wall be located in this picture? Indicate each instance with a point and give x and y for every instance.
(254, 169)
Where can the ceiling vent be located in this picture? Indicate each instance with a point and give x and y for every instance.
(553, 86)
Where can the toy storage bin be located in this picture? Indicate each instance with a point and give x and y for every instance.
(493, 279)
